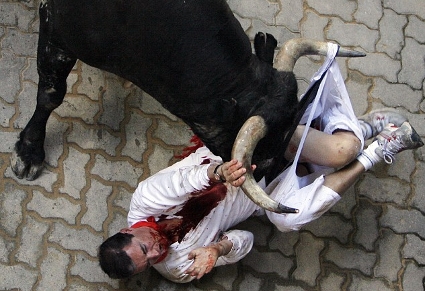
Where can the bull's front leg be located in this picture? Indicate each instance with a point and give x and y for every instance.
(264, 45)
(54, 65)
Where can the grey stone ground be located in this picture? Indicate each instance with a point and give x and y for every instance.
(108, 135)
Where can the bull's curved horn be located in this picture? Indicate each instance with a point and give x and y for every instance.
(249, 135)
(297, 47)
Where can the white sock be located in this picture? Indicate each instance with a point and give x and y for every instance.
(368, 158)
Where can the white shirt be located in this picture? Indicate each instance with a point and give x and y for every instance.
(167, 192)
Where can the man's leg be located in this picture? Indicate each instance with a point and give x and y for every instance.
(388, 143)
(341, 147)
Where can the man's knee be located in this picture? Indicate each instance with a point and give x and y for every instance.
(345, 150)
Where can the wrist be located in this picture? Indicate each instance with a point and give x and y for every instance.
(217, 174)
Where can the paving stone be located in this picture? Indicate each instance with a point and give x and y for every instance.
(384, 189)
(113, 102)
(11, 199)
(10, 67)
(332, 282)
(276, 263)
(346, 204)
(23, 44)
(395, 95)
(8, 141)
(352, 35)
(159, 159)
(413, 277)
(118, 222)
(92, 81)
(97, 207)
(27, 102)
(54, 270)
(403, 221)
(367, 228)
(250, 283)
(259, 229)
(182, 131)
(75, 239)
(391, 40)
(307, 269)
(404, 166)
(45, 180)
(360, 284)
(284, 241)
(29, 72)
(31, 244)
(415, 28)
(406, 7)
(74, 173)
(369, 12)
(389, 263)
(93, 138)
(289, 288)
(330, 226)
(123, 198)
(412, 71)
(148, 104)
(376, 65)
(226, 276)
(17, 277)
(54, 141)
(116, 171)
(257, 9)
(7, 113)
(281, 33)
(135, 130)
(89, 270)
(419, 187)
(53, 207)
(334, 7)
(358, 90)
(414, 249)
(78, 107)
(313, 26)
(351, 258)
(290, 14)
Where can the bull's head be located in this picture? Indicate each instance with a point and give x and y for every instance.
(255, 128)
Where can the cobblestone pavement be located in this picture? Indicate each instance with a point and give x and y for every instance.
(108, 136)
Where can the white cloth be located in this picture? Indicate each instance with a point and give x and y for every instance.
(167, 192)
(331, 110)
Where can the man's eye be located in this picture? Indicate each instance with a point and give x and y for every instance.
(144, 249)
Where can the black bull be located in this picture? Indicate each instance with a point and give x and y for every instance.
(191, 55)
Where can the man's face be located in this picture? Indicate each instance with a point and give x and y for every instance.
(146, 247)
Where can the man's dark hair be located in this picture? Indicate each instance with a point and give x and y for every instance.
(113, 260)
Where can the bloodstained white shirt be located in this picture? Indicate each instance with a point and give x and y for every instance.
(167, 192)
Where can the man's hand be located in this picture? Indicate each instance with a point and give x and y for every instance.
(206, 257)
(233, 172)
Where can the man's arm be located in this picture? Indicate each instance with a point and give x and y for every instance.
(232, 247)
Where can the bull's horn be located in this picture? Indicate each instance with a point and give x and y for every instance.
(297, 47)
(249, 135)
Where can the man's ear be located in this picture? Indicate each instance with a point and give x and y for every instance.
(126, 230)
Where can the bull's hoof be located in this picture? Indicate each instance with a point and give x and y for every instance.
(23, 170)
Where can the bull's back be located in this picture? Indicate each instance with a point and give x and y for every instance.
(167, 47)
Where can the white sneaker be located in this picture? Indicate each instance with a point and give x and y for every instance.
(394, 139)
(375, 121)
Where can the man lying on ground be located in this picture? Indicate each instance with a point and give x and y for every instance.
(179, 218)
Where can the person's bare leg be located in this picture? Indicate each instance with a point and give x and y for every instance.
(332, 150)
(342, 179)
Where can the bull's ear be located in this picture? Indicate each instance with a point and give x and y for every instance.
(264, 45)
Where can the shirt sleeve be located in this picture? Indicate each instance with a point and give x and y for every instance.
(242, 244)
(164, 191)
